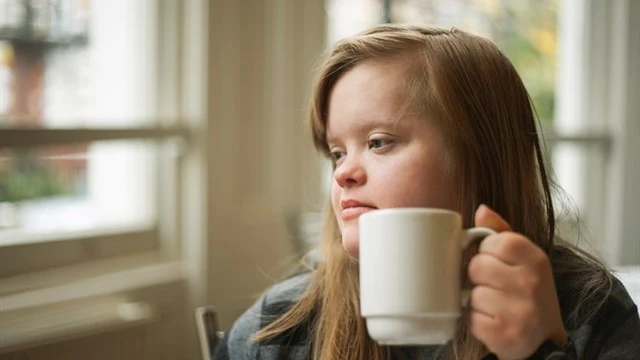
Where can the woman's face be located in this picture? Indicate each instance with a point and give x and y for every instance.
(384, 157)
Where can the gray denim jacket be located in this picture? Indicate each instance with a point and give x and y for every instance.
(613, 334)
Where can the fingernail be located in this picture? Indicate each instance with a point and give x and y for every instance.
(484, 210)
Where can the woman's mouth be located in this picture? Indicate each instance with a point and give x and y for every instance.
(354, 212)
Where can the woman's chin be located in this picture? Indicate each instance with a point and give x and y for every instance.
(350, 243)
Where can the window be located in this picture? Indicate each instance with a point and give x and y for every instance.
(89, 145)
(98, 173)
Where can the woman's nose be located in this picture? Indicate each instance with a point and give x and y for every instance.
(350, 173)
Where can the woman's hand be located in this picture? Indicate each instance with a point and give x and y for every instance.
(514, 305)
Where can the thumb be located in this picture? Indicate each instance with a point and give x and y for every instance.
(486, 217)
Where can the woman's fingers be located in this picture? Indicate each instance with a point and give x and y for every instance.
(486, 217)
(484, 327)
(487, 300)
(486, 269)
(510, 248)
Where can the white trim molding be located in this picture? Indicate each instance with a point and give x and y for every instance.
(261, 166)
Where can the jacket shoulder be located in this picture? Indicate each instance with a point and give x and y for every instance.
(238, 343)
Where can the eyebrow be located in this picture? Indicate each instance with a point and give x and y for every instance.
(365, 125)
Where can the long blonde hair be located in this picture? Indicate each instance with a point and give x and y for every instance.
(486, 117)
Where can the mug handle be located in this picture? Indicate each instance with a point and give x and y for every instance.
(475, 233)
(468, 236)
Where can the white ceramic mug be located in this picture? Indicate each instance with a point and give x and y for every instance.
(410, 271)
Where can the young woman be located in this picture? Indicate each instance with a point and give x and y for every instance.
(421, 117)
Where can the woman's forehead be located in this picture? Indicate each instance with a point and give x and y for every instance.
(376, 92)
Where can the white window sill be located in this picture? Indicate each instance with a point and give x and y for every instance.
(50, 324)
(84, 281)
(13, 237)
(86, 304)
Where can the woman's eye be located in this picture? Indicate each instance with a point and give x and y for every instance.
(337, 155)
(379, 143)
